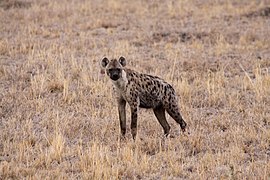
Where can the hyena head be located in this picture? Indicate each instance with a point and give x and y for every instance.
(114, 67)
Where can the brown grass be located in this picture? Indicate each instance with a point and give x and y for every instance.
(58, 117)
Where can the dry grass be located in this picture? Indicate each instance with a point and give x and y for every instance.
(57, 114)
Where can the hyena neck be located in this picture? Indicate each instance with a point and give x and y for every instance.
(121, 82)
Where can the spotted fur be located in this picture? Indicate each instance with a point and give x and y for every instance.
(141, 90)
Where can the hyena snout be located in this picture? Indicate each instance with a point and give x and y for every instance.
(115, 77)
(114, 74)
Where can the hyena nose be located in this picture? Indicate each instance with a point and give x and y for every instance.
(115, 76)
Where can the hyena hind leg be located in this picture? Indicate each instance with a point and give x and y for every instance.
(160, 115)
(173, 111)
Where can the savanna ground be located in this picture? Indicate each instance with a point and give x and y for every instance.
(58, 117)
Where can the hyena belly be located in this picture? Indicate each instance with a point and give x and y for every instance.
(148, 101)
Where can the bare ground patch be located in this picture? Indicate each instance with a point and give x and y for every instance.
(263, 12)
(10, 4)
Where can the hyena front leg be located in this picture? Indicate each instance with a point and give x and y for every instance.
(133, 103)
(134, 117)
(122, 116)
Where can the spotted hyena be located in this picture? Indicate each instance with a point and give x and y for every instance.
(141, 90)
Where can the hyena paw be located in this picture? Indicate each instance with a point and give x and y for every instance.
(183, 126)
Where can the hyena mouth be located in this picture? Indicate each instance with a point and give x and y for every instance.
(114, 77)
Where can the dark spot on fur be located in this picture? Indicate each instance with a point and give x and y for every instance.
(151, 76)
(170, 98)
(165, 89)
(169, 86)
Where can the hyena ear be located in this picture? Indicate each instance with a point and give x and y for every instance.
(104, 62)
(122, 61)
